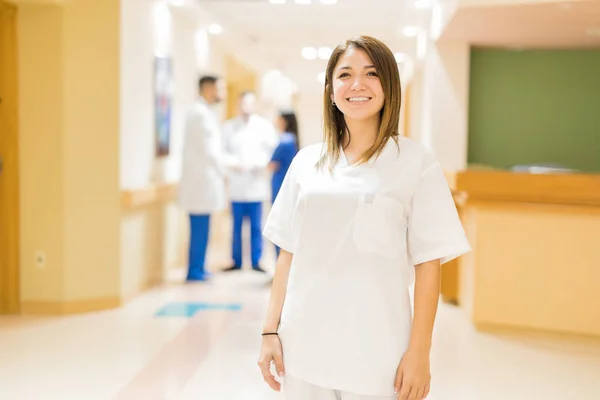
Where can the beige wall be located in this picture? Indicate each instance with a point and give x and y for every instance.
(451, 103)
(86, 110)
(439, 103)
(416, 104)
(41, 136)
(310, 117)
(154, 236)
(69, 114)
(144, 258)
(91, 143)
(136, 124)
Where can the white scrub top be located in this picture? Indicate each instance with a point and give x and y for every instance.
(249, 145)
(356, 234)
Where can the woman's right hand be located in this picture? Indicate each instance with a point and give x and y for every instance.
(271, 350)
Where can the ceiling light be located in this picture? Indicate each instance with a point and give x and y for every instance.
(410, 31)
(178, 3)
(302, 1)
(321, 78)
(324, 53)
(423, 4)
(328, 2)
(309, 53)
(277, 1)
(215, 29)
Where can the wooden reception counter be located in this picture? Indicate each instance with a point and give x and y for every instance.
(535, 262)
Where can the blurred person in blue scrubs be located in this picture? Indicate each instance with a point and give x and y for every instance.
(202, 186)
(284, 153)
(249, 141)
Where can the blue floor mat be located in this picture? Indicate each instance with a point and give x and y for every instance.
(190, 309)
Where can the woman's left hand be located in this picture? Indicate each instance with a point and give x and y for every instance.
(413, 375)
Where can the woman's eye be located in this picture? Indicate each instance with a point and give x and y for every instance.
(372, 73)
(343, 75)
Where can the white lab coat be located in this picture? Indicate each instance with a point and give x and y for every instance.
(202, 187)
(248, 147)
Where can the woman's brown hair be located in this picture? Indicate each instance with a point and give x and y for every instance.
(334, 125)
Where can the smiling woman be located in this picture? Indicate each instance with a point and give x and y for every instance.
(354, 234)
(362, 92)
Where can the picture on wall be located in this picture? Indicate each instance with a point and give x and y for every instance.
(163, 99)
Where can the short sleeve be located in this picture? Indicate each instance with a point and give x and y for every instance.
(434, 228)
(278, 153)
(279, 225)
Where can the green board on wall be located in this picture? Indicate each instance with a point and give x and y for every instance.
(535, 106)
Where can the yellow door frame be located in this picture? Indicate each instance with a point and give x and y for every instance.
(9, 152)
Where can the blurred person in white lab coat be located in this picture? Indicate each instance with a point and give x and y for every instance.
(249, 142)
(202, 187)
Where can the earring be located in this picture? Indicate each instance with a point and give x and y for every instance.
(333, 103)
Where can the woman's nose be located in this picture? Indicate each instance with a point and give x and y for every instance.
(357, 83)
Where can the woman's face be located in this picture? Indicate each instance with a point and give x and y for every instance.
(356, 88)
(280, 124)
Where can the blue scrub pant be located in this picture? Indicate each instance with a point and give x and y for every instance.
(253, 211)
(199, 232)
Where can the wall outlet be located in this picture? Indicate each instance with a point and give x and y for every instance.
(40, 259)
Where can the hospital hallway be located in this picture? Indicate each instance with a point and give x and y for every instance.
(136, 136)
(201, 341)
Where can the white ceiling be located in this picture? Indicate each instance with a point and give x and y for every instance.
(551, 24)
(264, 34)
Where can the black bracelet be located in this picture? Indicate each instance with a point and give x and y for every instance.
(269, 333)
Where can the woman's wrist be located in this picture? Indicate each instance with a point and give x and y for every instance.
(420, 344)
(419, 347)
(271, 326)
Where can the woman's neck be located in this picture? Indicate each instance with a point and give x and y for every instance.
(361, 134)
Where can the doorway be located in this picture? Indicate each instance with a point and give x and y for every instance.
(9, 163)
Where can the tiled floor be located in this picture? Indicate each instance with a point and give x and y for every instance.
(134, 354)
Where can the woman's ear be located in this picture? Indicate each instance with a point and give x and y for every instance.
(328, 90)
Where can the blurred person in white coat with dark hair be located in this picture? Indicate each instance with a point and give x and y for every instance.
(202, 186)
(249, 141)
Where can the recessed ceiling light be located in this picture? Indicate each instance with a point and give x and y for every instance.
(277, 1)
(309, 53)
(410, 31)
(324, 53)
(215, 29)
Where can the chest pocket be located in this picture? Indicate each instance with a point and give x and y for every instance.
(380, 226)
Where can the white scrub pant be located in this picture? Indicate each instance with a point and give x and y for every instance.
(296, 389)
